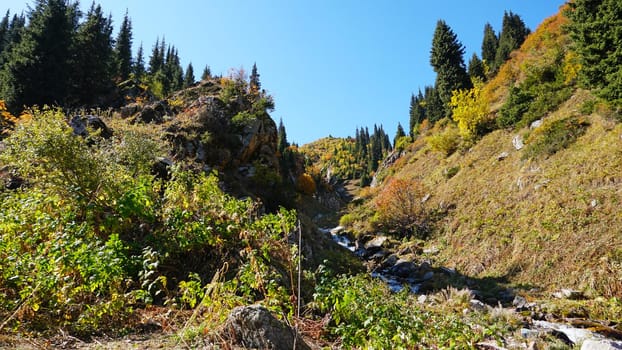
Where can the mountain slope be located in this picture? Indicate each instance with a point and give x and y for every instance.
(546, 215)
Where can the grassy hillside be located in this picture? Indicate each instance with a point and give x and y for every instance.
(545, 216)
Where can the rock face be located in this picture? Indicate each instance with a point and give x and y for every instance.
(81, 125)
(255, 327)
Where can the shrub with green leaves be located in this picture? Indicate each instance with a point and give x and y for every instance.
(554, 136)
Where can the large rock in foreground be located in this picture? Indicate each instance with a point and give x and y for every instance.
(255, 327)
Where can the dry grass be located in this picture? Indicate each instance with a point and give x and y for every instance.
(549, 222)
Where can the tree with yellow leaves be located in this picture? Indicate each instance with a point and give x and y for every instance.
(470, 110)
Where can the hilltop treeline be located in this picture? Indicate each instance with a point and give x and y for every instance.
(57, 55)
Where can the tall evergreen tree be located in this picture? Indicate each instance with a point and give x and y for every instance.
(398, 134)
(156, 61)
(123, 49)
(255, 84)
(513, 34)
(417, 112)
(282, 143)
(93, 66)
(4, 32)
(139, 63)
(596, 29)
(189, 76)
(35, 71)
(476, 68)
(446, 57)
(490, 44)
(207, 73)
(435, 110)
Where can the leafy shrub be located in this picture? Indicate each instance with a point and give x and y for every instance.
(554, 136)
(365, 314)
(470, 110)
(305, 184)
(446, 141)
(401, 209)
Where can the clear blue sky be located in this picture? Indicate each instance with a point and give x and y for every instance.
(331, 65)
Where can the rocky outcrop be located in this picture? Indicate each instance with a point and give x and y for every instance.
(255, 327)
(82, 125)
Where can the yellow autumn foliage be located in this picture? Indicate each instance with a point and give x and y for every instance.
(470, 110)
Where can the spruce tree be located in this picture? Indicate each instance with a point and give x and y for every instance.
(123, 49)
(417, 112)
(255, 84)
(490, 44)
(435, 110)
(207, 73)
(282, 143)
(513, 34)
(446, 57)
(189, 76)
(596, 29)
(156, 61)
(36, 69)
(93, 69)
(398, 134)
(476, 68)
(4, 32)
(139, 63)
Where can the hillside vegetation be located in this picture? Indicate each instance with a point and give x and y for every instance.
(546, 215)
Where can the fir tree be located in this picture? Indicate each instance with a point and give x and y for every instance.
(417, 112)
(4, 32)
(156, 61)
(447, 60)
(398, 134)
(476, 68)
(282, 143)
(513, 34)
(36, 69)
(596, 29)
(255, 84)
(139, 64)
(433, 104)
(490, 43)
(93, 66)
(123, 49)
(189, 76)
(207, 73)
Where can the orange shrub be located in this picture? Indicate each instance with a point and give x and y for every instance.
(400, 207)
(305, 184)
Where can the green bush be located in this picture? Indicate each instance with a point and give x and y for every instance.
(445, 142)
(365, 314)
(554, 136)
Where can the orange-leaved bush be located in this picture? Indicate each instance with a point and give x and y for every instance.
(400, 208)
(306, 184)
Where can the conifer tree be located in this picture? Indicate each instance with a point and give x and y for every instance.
(398, 134)
(139, 63)
(156, 61)
(189, 76)
(93, 66)
(447, 60)
(596, 29)
(417, 112)
(433, 104)
(513, 34)
(207, 73)
(282, 143)
(123, 49)
(4, 32)
(490, 44)
(255, 84)
(36, 69)
(476, 68)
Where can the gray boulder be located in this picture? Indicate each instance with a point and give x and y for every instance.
(255, 327)
(601, 344)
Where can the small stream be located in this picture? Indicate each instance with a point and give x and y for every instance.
(405, 274)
